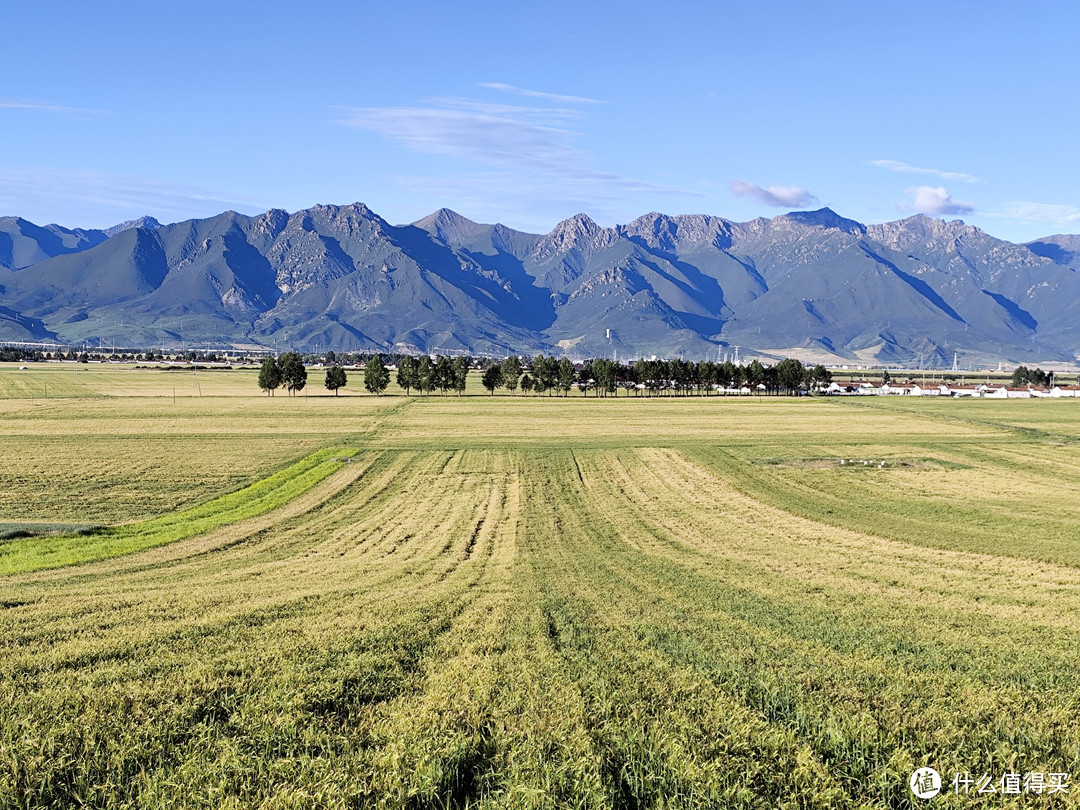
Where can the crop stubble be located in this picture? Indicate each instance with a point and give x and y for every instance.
(516, 603)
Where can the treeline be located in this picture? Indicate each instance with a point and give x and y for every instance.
(601, 377)
(288, 371)
(542, 374)
(654, 377)
(15, 354)
(425, 375)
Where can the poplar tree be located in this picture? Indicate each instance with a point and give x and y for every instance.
(544, 370)
(335, 379)
(565, 375)
(511, 372)
(444, 373)
(376, 377)
(461, 373)
(293, 373)
(492, 378)
(269, 376)
(406, 374)
(425, 373)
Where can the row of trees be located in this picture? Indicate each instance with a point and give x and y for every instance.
(789, 376)
(421, 375)
(19, 354)
(424, 376)
(655, 377)
(549, 375)
(288, 370)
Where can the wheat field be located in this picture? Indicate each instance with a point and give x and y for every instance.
(235, 601)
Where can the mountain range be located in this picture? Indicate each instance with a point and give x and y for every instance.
(809, 284)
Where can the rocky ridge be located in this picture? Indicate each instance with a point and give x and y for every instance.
(918, 289)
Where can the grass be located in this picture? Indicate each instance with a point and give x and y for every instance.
(509, 602)
(89, 544)
(110, 460)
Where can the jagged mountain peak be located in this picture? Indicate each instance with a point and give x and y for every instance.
(270, 223)
(447, 225)
(353, 211)
(824, 218)
(578, 224)
(276, 217)
(578, 232)
(676, 233)
(342, 276)
(649, 219)
(147, 223)
(352, 220)
(922, 228)
(228, 216)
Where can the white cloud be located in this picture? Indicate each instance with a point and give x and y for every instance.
(933, 200)
(509, 88)
(1065, 216)
(907, 168)
(99, 199)
(776, 196)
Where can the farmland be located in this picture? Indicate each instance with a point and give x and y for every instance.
(504, 601)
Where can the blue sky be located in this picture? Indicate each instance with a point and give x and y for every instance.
(529, 113)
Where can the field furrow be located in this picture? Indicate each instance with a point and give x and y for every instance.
(533, 603)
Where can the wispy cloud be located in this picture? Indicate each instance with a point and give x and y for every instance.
(543, 114)
(558, 99)
(100, 199)
(907, 168)
(934, 200)
(41, 106)
(1063, 216)
(519, 155)
(512, 137)
(776, 196)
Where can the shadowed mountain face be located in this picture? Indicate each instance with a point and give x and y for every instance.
(341, 277)
(23, 243)
(1063, 249)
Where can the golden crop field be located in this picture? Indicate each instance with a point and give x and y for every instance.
(320, 602)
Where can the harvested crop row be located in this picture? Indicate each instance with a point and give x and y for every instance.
(537, 621)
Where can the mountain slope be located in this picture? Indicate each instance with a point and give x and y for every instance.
(1063, 249)
(23, 243)
(342, 277)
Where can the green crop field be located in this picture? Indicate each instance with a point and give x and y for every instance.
(227, 600)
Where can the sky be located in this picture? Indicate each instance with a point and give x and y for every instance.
(527, 114)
